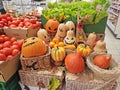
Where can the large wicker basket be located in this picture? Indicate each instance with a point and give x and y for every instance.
(87, 81)
(36, 63)
(104, 74)
(41, 78)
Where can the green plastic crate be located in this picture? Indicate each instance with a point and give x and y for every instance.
(11, 84)
(97, 28)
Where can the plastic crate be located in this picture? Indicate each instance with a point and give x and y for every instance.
(11, 84)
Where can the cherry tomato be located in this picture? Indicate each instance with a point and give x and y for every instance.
(15, 52)
(13, 39)
(15, 47)
(7, 44)
(9, 57)
(2, 57)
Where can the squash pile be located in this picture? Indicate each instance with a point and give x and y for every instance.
(64, 40)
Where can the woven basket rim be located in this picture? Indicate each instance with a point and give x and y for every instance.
(45, 55)
(114, 70)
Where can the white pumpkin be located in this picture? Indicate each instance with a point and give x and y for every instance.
(61, 32)
(70, 25)
(70, 38)
(42, 33)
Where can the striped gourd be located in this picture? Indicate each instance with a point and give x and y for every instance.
(58, 54)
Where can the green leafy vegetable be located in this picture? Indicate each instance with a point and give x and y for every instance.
(54, 83)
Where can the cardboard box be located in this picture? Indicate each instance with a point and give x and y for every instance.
(8, 68)
(20, 33)
(11, 84)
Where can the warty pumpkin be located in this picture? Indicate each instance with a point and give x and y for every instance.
(33, 46)
(74, 62)
(58, 54)
(84, 49)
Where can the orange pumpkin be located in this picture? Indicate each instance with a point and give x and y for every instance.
(33, 46)
(52, 26)
(102, 61)
(56, 42)
(74, 62)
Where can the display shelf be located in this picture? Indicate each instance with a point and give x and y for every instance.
(113, 21)
(110, 25)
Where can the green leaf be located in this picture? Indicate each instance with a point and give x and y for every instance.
(54, 83)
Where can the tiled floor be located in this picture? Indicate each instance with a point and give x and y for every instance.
(113, 47)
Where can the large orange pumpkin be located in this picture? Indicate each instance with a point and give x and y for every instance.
(74, 62)
(52, 26)
(33, 46)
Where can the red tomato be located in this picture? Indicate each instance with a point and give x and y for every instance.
(15, 52)
(6, 38)
(13, 39)
(15, 23)
(7, 15)
(4, 20)
(12, 26)
(1, 25)
(9, 23)
(7, 44)
(38, 24)
(1, 39)
(2, 57)
(9, 57)
(1, 22)
(26, 20)
(15, 43)
(9, 18)
(20, 42)
(7, 51)
(15, 47)
(21, 19)
(33, 21)
(1, 46)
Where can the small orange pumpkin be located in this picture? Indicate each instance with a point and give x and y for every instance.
(52, 26)
(102, 61)
(74, 62)
(33, 46)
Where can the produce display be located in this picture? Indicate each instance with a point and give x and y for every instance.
(87, 10)
(9, 47)
(54, 54)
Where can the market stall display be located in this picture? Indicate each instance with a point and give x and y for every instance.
(60, 52)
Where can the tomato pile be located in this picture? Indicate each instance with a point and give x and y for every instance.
(9, 47)
(10, 21)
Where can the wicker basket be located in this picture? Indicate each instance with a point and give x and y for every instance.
(104, 74)
(86, 81)
(41, 78)
(36, 63)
